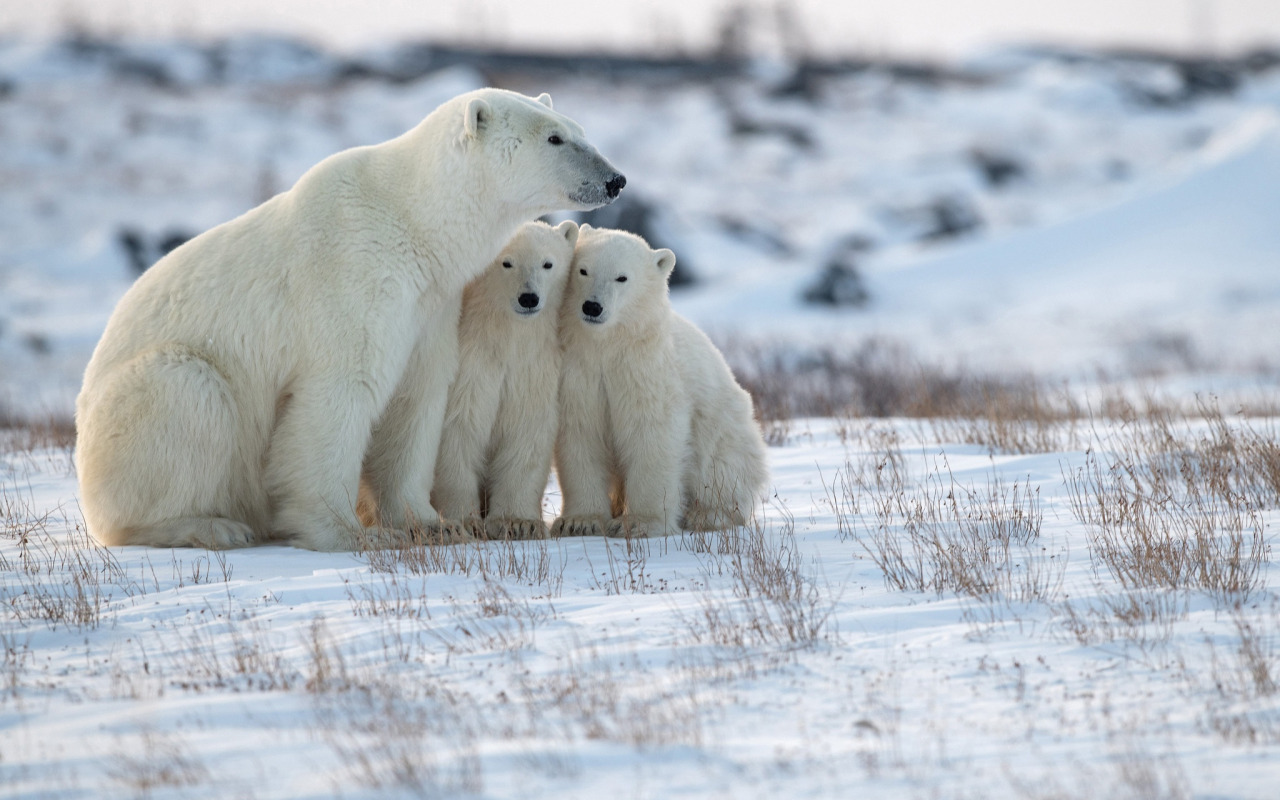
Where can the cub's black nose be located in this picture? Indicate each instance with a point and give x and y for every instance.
(615, 185)
(591, 308)
(528, 300)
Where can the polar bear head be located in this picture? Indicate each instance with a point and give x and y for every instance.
(530, 273)
(534, 158)
(616, 279)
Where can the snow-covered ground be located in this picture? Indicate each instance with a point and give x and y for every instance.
(770, 663)
(1118, 218)
(1133, 230)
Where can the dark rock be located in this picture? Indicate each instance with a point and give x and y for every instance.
(997, 169)
(756, 236)
(172, 241)
(839, 282)
(142, 250)
(38, 344)
(950, 217)
(740, 125)
(631, 212)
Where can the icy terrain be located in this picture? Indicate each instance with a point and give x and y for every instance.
(777, 662)
(1070, 606)
(1044, 211)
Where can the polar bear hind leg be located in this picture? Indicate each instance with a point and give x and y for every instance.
(142, 488)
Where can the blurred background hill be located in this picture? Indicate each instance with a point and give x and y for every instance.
(1059, 188)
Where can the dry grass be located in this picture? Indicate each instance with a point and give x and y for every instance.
(608, 699)
(22, 433)
(773, 600)
(155, 762)
(936, 535)
(1018, 414)
(1179, 508)
(1244, 702)
(539, 562)
(53, 580)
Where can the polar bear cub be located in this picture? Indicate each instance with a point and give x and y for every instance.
(654, 431)
(251, 381)
(500, 426)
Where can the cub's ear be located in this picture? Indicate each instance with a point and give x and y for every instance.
(477, 119)
(584, 227)
(665, 259)
(545, 99)
(569, 230)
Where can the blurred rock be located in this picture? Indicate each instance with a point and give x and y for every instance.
(756, 236)
(632, 212)
(997, 169)
(949, 217)
(142, 249)
(840, 281)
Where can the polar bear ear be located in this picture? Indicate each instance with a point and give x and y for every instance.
(665, 259)
(545, 99)
(584, 227)
(569, 230)
(478, 116)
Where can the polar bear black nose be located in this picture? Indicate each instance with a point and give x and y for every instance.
(615, 185)
(591, 308)
(528, 300)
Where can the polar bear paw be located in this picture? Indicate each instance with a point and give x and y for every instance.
(580, 526)
(514, 528)
(629, 526)
(441, 532)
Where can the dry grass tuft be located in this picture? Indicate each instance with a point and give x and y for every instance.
(539, 562)
(773, 601)
(52, 580)
(939, 536)
(881, 379)
(1179, 508)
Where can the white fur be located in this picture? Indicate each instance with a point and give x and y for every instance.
(500, 427)
(654, 432)
(247, 380)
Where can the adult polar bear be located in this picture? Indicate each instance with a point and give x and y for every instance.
(247, 381)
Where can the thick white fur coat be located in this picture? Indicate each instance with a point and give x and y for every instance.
(246, 382)
(655, 434)
(500, 424)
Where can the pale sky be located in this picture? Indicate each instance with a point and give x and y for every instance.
(940, 28)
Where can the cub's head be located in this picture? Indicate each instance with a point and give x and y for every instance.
(530, 273)
(536, 159)
(616, 278)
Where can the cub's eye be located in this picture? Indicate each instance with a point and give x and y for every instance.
(582, 272)
(547, 265)
(555, 139)
(506, 265)
(622, 279)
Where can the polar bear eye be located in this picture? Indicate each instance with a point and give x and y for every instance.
(555, 139)
(506, 265)
(622, 279)
(547, 265)
(582, 272)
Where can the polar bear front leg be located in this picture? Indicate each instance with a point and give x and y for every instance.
(583, 462)
(526, 432)
(468, 427)
(313, 464)
(651, 449)
(399, 464)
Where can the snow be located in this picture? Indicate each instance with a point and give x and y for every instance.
(1138, 237)
(755, 188)
(575, 666)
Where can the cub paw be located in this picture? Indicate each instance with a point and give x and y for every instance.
(441, 532)
(579, 526)
(514, 529)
